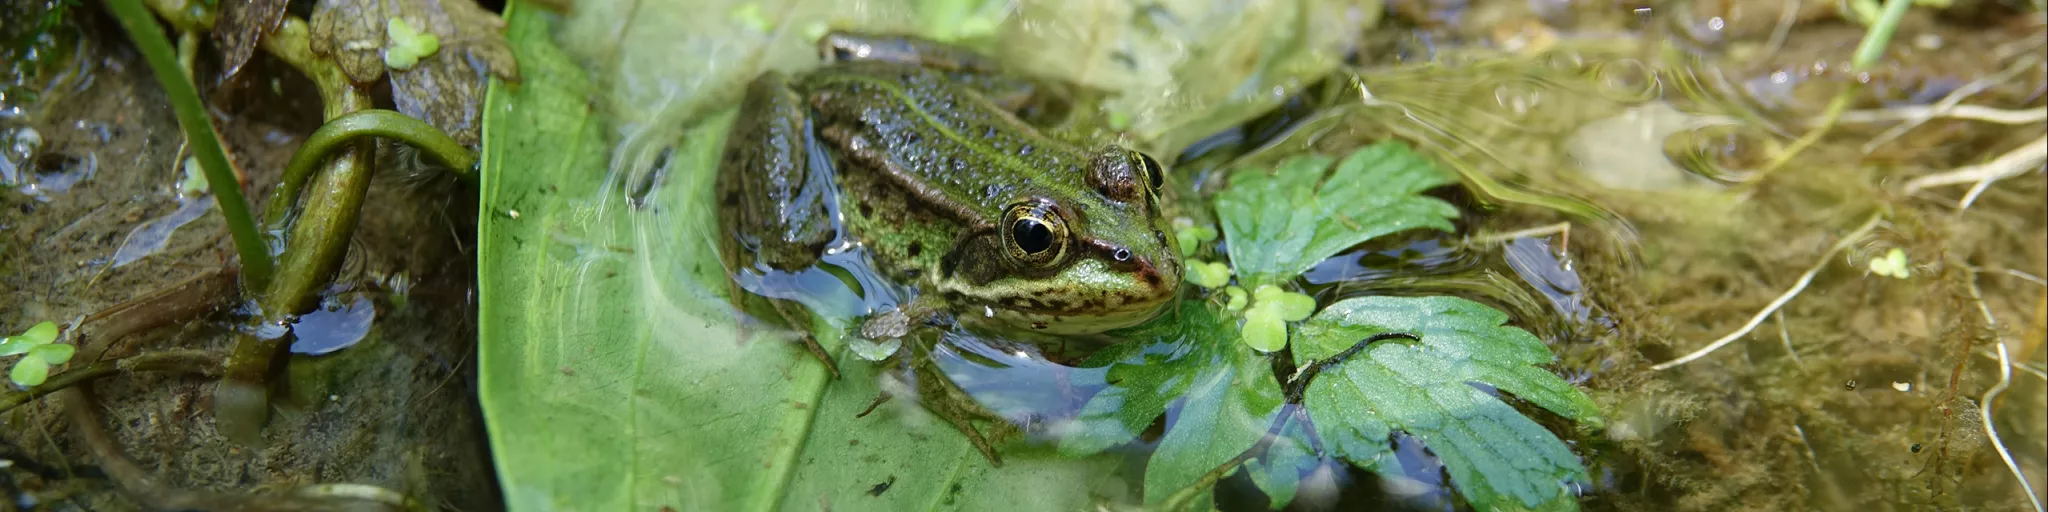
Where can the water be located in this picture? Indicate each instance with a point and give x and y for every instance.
(1633, 128)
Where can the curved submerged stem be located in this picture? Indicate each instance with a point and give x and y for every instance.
(356, 126)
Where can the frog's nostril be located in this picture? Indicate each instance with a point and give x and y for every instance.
(1121, 254)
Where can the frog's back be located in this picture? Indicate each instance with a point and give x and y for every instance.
(940, 139)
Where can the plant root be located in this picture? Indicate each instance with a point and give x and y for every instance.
(2013, 163)
(1852, 238)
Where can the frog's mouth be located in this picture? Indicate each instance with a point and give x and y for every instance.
(1074, 322)
(1082, 301)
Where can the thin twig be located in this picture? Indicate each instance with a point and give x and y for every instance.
(1965, 112)
(1808, 446)
(1848, 240)
(1786, 19)
(180, 361)
(1949, 102)
(2022, 365)
(1987, 402)
(2029, 277)
(2013, 163)
(1785, 336)
(1561, 227)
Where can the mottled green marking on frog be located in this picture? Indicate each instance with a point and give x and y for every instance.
(939, 182)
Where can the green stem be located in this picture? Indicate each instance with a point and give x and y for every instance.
(1880, 35)
(1867, 52)
(356, 126)
(227, 191)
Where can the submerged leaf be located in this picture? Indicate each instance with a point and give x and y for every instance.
(242, 26)
(1278, 224)
(1431, 389)
(1226, 395)
(1278, 471)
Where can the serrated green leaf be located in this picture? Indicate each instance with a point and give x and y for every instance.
(29, 372)
(40, 334)
(1229, 407)
(1146, 375)
(1495, 456)
(1226, 394)
(55, 354)
(1374, 191)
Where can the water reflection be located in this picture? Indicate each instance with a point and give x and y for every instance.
(335, 326)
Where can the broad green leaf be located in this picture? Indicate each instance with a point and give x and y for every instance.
(610, 374)
(610, 371)
(29, 372)
(1431, 389)
(1226, 395)
(55, 354)
(929, 465)
(1280, 223)
(11, 346)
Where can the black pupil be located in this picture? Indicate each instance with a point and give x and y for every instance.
(1152, 171)
(1033, 236)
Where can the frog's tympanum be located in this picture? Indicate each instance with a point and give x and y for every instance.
(930, 158)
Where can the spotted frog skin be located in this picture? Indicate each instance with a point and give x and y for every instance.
(925, 154)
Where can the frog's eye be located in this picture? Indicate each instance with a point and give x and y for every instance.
(1152, 170)
(1034, 234)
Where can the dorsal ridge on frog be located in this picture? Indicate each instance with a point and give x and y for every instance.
(947, 189)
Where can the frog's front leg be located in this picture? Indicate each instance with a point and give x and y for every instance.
(772, 202)
(897, 323)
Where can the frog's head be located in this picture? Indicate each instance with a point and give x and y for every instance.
(1078, 255)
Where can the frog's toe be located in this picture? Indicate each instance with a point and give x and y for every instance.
(818, 351)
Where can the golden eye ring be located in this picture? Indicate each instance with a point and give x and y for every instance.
(1035, 234)
(1154, 175)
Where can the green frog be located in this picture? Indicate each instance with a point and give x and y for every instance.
(946, 171)
(923, 153)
